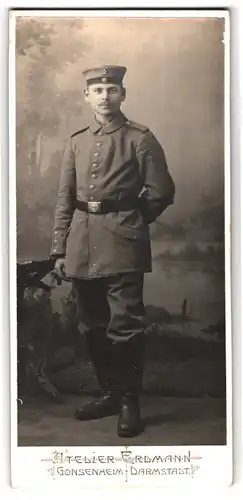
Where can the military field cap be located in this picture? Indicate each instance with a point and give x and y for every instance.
(105, 74)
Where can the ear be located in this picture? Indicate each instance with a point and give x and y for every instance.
(86, 94)
(123, 93)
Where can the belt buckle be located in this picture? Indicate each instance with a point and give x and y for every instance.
(94, 206)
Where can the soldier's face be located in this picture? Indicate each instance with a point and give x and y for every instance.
(105, 98)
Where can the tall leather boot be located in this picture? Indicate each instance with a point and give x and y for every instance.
(129, 358)
(99, 348)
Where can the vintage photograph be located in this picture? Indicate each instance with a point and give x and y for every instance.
(120, 225)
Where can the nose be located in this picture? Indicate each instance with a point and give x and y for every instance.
(105, 95)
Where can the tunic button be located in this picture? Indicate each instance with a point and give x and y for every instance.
(98, 144)
(95, 164)
(93, 176)
(97, 154)
(91, 186)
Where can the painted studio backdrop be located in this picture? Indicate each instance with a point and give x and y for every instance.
(175, 86)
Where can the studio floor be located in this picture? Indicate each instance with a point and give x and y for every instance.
(167, 422)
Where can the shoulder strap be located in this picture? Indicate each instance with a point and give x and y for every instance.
(136, 125)
(80, 131)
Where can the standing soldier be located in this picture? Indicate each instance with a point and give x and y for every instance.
(114, 183)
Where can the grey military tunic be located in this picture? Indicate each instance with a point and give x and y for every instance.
(117, 161)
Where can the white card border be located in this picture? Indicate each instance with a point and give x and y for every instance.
(11, 226)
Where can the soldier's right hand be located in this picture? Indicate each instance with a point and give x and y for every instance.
(60, 269)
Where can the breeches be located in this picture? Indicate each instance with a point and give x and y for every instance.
(114, 302)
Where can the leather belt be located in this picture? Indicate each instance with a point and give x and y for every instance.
(106, 206)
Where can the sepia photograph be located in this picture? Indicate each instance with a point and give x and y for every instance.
(121, 143)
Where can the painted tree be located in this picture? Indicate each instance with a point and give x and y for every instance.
(46, 50)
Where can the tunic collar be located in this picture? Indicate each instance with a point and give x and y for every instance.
(109, 127)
